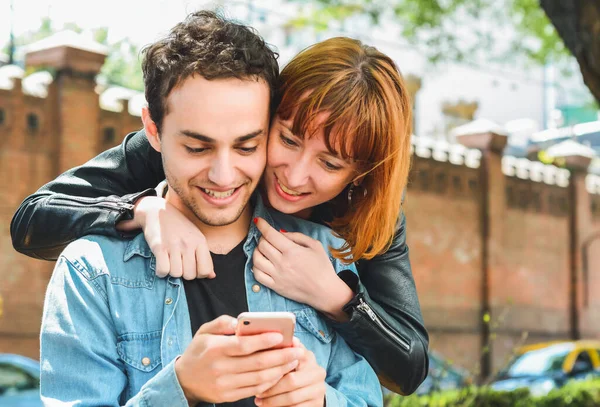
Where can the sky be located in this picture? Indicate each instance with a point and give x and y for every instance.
(140, 20)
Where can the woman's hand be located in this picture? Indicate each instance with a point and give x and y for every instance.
(298, 267)
(178, 245)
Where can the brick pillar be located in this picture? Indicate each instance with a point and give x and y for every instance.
(490, 140)
(577, 159)
(76, 62)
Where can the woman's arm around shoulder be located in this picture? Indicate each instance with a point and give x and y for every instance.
(91, 198)
(386, 325)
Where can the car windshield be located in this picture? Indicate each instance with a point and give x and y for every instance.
(537, 362)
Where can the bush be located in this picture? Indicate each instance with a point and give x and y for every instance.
(573, 394)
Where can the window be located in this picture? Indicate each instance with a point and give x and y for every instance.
(583, 364)
(456, 181)
(33, 122)
(441, 182)
(109, 135)
(15, 379)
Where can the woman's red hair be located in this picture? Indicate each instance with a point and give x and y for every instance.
(369, 121)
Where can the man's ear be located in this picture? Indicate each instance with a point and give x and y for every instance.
(151, 129)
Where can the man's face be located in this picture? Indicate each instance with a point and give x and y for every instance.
(213, 145)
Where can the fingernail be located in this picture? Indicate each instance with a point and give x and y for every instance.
(257, 401)
(275, 339)
(283, 230)
(293, 365)
(255, 220)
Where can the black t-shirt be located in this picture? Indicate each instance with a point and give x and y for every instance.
(223, 295)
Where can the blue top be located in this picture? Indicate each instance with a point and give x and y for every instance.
(112, 329)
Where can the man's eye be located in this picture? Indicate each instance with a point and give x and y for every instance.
(247, 150)
(288, 141)
(195, 150)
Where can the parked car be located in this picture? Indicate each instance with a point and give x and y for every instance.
(19, 381)
(546, 366)
(443, 375)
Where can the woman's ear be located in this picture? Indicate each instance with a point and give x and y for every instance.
(151, 129)
(358, 180)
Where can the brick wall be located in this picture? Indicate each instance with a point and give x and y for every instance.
(528, 255)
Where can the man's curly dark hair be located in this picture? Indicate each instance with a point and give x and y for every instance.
(209, 45)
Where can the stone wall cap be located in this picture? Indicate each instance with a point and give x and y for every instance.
(67, 38)
(442, 151)
(37, 84)
(479, 126)
(570, 148)
(8, 73)
(112, 98)
(592, 182)
(535, 171)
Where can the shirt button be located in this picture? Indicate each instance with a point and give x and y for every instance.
(169, 301)
(256, 288)
(145, 361)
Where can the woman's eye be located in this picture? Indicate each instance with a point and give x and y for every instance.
(331, 166)
(288, 141)
(195, 150)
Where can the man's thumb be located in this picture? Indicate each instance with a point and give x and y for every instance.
(224, 325)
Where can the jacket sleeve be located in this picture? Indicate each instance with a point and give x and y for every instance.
(79, 363)
(386, 325)
(88, 199)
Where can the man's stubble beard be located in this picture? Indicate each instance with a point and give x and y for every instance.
(196, 210)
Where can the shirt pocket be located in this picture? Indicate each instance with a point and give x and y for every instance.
(315, 334)
(140, 353)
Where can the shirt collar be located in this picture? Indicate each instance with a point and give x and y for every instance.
(260, 211)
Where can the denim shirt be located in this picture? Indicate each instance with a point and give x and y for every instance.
(111, 329)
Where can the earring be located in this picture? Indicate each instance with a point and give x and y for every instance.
(351, 191)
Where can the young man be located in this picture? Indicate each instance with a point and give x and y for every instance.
(113, 333)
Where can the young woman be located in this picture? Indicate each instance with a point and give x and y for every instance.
(338, 153)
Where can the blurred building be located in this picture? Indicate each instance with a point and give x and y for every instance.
(500, 245)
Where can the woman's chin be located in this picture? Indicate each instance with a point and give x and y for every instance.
(295, 209)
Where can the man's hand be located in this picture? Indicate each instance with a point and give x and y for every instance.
(304, 387)
(219, 367)
(178, 245)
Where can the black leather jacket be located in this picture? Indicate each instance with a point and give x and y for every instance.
(385, 324)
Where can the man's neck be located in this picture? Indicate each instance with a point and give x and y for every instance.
(220, 239)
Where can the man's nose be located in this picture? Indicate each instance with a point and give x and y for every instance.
(221, 171)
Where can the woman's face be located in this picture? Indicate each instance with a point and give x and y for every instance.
(301, 172)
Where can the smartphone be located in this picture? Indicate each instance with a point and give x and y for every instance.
(254, 323)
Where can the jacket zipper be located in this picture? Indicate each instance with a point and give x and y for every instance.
(367, 310)
(104, 204)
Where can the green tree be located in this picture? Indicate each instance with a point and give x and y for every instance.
(122, 66)
(539, 31)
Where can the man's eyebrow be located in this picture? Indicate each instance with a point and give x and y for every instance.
(206, 139)
(197, 136)
(249, 136)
